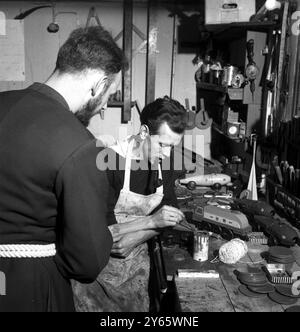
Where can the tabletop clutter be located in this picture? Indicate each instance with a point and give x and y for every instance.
(272, 280)
(247, 225)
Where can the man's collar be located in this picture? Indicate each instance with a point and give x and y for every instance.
(48, 91)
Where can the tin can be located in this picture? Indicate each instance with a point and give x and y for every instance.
(228, 74)
(201, 245)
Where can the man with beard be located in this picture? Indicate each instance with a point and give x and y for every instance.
(52, 223)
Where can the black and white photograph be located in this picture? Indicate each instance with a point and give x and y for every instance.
(149, 159)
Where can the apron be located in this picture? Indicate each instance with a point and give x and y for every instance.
(122, 286)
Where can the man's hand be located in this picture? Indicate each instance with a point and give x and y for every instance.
(167, 216)
(124, 246)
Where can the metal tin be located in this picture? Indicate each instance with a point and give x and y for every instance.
(201, 246)
(229, 73)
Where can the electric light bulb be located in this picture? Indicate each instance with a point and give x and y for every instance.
(272, 5)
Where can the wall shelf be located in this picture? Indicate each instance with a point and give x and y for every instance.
(211, 87)
(119, 104)
(217, 29)
(225, 32)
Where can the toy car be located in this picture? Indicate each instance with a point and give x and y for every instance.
(208, 180)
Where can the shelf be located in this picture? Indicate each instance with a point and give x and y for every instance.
(218, 130)
(231, 31)
(234, 94)
(253, 26)
(119, 104)
(211, 87)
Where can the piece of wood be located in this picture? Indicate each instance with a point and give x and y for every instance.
(151, 51)
(127, 46)
(203, 295)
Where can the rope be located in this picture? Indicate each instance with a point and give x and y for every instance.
(27, 250)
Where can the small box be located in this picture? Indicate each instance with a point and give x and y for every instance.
(236, 94)
(226, 11)
(243, 130)
(230, 116)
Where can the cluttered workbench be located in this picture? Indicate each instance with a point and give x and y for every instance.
(261, 278)
(221, 292)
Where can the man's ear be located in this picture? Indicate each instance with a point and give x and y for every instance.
(144, 132)
(99, 86)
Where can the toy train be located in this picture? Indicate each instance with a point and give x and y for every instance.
(232, 223)
(228, 223)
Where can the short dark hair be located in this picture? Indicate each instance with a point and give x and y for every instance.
(90, 48)
(164, 110)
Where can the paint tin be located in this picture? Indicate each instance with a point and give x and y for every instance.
(228, 74)
(201, 245)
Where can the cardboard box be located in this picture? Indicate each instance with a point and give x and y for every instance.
(229, 11)
(236, 94)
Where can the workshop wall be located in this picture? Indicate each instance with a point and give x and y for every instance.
(41, 49)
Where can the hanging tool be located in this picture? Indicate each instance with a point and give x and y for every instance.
(284, 67)
(93, 14)
(141, 46)
(190, 116)
(202, 120)
(252, 70)
(252, 185)
(22, 15)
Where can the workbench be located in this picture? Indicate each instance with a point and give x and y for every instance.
(218, 295)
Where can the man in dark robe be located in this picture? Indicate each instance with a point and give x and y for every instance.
(53, 225)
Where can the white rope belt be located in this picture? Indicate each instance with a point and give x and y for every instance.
(27, 250)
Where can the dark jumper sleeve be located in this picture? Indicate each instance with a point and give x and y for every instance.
(84, 241)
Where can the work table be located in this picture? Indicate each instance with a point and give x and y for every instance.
(218, 295)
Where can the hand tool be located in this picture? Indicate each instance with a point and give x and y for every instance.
(202, 119)
(286, 179)
(277, 170)
(252, 70)
(185, 226)
(292, 180)
(297, 182)
(252, 184)
(190, 116)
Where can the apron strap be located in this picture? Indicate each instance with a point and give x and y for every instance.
(126, 185)
(160, 190)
